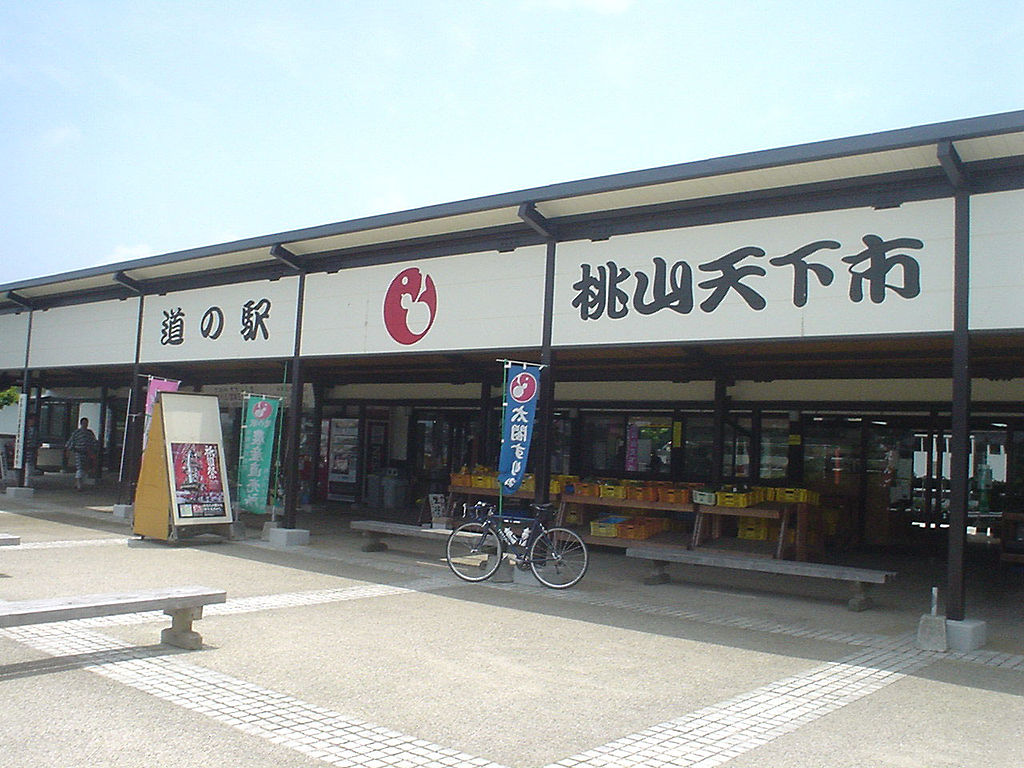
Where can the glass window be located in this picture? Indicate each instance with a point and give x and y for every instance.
(774, 447)
(604, 444)
(649, 444)
(698, 447)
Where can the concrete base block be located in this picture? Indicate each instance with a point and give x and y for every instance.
(966, 635)
(504, 573)
(124, 511)
(289, 537)
(931, 633)
(187, 639)
(20, 492)
(267, 528)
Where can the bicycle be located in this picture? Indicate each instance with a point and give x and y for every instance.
(557, 556)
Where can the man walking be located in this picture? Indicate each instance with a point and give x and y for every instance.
(82, 443)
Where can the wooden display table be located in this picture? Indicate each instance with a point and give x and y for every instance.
(784, 512)
(626, 505)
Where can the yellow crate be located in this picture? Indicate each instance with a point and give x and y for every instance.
(461, 480)
(607, 526)
(554, 487)
(728, 499)
(481, 481)
(752, 528)
(613, 491)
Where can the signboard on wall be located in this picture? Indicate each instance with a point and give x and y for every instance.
(225, 322)
(997, 260)
(835, 273)
(13, 335)
(99, 333)
(471, 301)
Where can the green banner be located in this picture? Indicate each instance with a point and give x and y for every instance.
(259, 424)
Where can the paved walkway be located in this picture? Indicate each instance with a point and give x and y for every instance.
(327, 655)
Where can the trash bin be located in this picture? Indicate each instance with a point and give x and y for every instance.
(374, 491)
(395, 492)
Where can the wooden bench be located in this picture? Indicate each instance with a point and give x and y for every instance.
(861, 579)
(182, 604)
(9, 540)
(376, 530)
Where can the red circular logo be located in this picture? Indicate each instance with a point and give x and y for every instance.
(410, 306)
(261, 410)
(523, 387)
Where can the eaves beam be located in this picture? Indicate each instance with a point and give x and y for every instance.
(286, 257)
(21, 301)
(952, 165)
(543, 226)
(132, 285)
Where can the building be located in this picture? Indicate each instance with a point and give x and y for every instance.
(843, 315)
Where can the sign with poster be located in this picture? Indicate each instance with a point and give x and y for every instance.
(343, 460)
(181, 481)
(198, 480)
(259, 426)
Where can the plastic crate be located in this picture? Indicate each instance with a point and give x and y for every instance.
(729, 499)
(640, 528)
(613, 491)
(704, 497)
(461, 480)
(752, 529)
(607, 526)
(641, 493)
(586, 489)
(674, 495)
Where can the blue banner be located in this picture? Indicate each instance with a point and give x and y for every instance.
(522, 390)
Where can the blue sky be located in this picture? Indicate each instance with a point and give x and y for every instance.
(135, 128)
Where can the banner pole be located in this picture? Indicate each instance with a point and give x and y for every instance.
(504, 406)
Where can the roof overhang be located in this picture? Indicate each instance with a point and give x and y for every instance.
(981, 145)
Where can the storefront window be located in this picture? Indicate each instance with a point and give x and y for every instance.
(774, 447)
(604, 444)
(649, 444)
(832, 454)
(698, 448)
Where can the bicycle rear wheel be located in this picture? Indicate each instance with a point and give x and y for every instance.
(559, 558)
(473, 552)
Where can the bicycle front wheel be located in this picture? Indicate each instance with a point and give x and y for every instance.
(558, 558)
(473, 552)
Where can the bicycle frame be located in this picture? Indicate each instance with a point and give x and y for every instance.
(498, 525)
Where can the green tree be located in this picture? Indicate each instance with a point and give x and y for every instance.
(9, 396)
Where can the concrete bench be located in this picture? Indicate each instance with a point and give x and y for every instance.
(376, 530)
(9, 540)
(860, 579)
(182, 604)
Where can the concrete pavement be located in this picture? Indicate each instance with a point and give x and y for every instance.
(326, 655)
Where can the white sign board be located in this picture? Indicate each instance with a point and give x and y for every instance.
(226, 322)
(997, 261)
(473, 301)
(13, 334)
(837, 273)
(100, 333)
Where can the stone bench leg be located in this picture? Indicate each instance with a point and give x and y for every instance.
(658, 574)
(375, 542)
(860, 599)
(180, 633)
